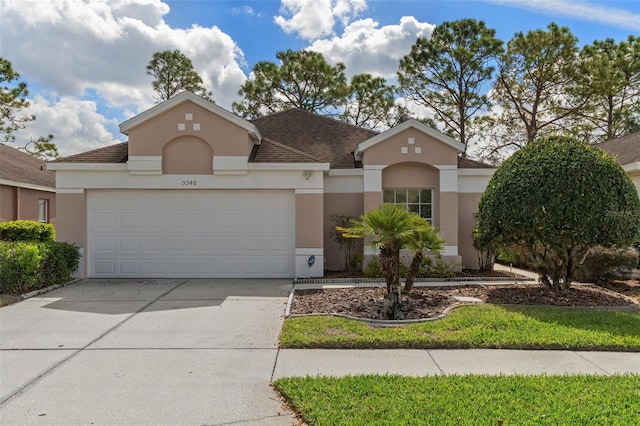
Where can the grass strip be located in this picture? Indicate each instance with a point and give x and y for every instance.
(485, 326)
(465, 400)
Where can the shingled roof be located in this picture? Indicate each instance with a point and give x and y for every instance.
(17, 166)
(625, 148)
(292, 136)
(118, 153)
(329, 140)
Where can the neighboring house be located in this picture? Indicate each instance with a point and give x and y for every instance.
(626, 149)
(200, 192)
(27, 188)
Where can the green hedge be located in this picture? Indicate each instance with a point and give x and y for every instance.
(27, 230)
(31, 265)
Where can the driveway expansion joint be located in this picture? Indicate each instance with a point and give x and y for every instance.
(78, 351)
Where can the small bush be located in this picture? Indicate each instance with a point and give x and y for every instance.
(26, 230)
(602, 263)
(373, 269)
(19, 266)
(435, 268)
(30, 265)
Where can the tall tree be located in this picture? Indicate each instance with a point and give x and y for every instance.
(304, 80)
(13, 101)
(537, 87)
(370, 102)
(449, 73)
(612, 73)
(173, 73)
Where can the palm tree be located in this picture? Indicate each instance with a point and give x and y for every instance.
(421, 241)
(390, 228)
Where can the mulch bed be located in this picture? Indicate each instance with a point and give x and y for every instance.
(430, 302)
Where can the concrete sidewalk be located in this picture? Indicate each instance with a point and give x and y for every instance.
(418, 362)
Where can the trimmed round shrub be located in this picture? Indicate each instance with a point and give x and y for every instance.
(556, 198)
(26, 230)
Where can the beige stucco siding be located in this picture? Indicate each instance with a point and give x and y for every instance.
(342, 204)
(448, 223)
(22, 203)
(468, 207)
(309, 219)
(71, 225)
(187, 155)
(390, 151)
(224, 137)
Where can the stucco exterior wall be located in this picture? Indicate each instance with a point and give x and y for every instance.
(187, 155)
(351, 205)
(22, 203)
(468, 207)
(309, 220)
(71, 225)
(187, 118)
(420, 147)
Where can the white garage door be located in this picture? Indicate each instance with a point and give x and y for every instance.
(191, 233)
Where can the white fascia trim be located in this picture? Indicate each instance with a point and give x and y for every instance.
(26, 185)
(289, 166)
(372, 180)
(188, 96)
(375, 166)
(446, 166)
(230, 162)
(449, 180)
(112, 167)
(144, 163)
(476, 172)
(450, 251)
(402, 127)
(346, 172)
(309, 251)
(631, 166)
(309, 191)
(70, 191)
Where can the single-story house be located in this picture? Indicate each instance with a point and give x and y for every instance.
(199, 192)
(27, 188)
(626, 149)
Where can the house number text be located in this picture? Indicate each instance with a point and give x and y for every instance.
(189, 183)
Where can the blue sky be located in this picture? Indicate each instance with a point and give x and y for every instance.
(84, 59)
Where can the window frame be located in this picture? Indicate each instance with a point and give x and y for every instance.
(407, 202)
(43, 210)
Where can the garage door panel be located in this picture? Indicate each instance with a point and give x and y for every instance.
(191, 233)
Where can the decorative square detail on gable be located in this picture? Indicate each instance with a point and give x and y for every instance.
(411, 141)
(181, 127)
(418, 150)
(404, 150)
(188, 116)
(196, 126)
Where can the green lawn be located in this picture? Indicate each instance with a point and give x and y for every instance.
(465, 400)
(485, 326)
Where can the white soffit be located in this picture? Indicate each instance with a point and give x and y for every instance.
(184, 97)
(411, 123)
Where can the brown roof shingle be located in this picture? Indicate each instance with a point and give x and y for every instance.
(625, 148)
(468, 163)
(18, 166)
(324, 138)
(118, 153)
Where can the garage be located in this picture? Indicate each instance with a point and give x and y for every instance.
(190, 233)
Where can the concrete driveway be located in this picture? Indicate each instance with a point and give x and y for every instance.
(144, 352)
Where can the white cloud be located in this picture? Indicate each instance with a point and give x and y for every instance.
(100, 48)
(74, 45)
(364, 46)
(76, 124)
(580, 10)
(312, 19)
